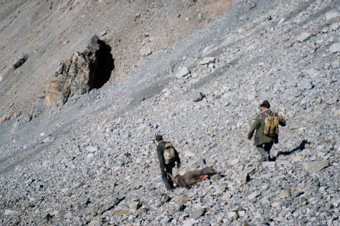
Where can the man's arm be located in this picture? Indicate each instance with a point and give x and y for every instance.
(253, 128)
(160, 156)
(177, 159)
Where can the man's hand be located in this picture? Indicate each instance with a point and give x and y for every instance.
(248, 138)
(165, 169)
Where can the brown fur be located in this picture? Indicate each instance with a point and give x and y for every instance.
(193, 176)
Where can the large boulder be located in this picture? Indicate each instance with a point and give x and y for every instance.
(81, 73)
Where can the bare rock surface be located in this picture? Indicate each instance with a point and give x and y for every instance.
(92, 161)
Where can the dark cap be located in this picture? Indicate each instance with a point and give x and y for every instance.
(265, 104)
(159, 137)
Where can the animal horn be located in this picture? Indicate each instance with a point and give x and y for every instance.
(172, 177)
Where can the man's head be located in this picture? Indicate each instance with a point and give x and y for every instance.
(159, 138)
(265, 105)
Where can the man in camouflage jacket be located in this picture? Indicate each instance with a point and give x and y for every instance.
(262, 142)
(166, 168)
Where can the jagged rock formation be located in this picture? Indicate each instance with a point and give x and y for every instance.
(81, 73)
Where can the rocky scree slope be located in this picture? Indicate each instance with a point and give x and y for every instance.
(94, 162)
(40, 35)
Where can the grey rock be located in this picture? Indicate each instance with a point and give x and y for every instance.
(316, 166)
(197, 213)
(20, 61)
(305, 85)
(334, 48)
(304, 36)
(331, 15)
(183, 71)
(198, 97)
(253, 195)
(207, 60)
(189, 222)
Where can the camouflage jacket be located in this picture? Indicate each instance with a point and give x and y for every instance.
(259, 125)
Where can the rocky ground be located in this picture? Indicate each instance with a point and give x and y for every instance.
(47, 33)
(93, 160)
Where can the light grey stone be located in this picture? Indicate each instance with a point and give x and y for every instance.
(197, 213)
(207, 60)
(331, 15)
(189, 222)
(182, 71)
(253, 195)
(316, 166)
(304, 36)
(334, 48)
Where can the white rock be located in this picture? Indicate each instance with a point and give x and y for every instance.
(91, 149)
(335, 48)
(10, 212)
(304, 36)
(207, 60)
(182, 71)
(331, 15)
(189, 222)
(254, 195)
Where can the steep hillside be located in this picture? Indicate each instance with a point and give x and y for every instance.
(93, 160)
(50, 32)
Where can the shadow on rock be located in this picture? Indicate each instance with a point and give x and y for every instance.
(301, 147)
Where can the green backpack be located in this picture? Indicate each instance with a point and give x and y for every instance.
(271, 128)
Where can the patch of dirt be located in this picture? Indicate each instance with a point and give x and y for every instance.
(51, 31)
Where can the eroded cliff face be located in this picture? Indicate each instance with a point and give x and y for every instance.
(48, 33)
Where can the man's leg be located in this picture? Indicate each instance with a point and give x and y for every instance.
(267, 148)
(166, 179)
(264, 154)
(169, 169)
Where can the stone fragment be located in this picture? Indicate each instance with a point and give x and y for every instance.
(207, 60)
(253, 195)
(198, 97)
(10, 212)
(103, 33)
(20, 61)
(233, 215)
(91, 149)
(316, 166)
(189, 222)
(303, 201)
(182, 71)
(331, 15)
(337, 112)
(304, 36)
(197, 213)
(284, 194)
(312, 73)
(252, 5)
(335, 48)
(305, 85)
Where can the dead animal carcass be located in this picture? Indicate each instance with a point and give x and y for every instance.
(193, 176)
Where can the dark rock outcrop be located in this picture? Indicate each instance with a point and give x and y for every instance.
(81, 73)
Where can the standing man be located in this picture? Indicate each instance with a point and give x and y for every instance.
(266, 126)
(166, 165)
